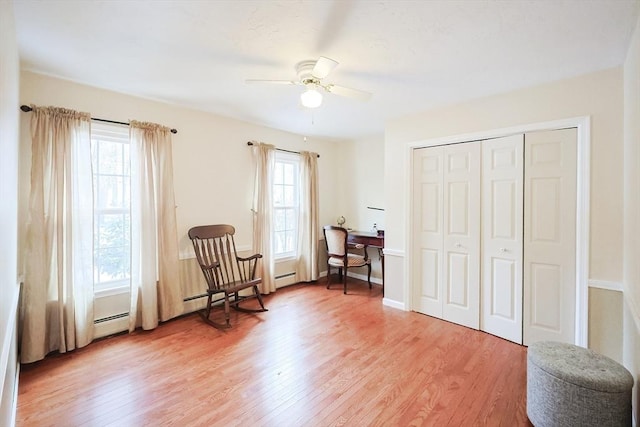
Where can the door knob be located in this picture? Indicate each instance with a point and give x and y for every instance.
(503, 249)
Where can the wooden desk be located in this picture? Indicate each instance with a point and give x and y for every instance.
(368, 238)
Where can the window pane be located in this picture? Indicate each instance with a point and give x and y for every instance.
(290, 241)
(278, 195)
(289, 196)
(126, 169)
(111, 158)
(113, 264)
(126, 192)
(278, 174)
(279, 242)
(112, 230)
(279, 220)
(111, 191)
(126, 238)
(291, 219)
(289, 173)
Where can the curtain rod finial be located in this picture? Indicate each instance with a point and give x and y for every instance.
(26, 108)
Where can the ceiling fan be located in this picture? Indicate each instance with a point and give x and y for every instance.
(311, 74)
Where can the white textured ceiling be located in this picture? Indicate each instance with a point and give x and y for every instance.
(412, 55)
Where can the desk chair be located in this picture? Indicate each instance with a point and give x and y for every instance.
(339, 257)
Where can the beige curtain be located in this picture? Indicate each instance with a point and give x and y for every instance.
(57, 305)
(262, 213)
(155, 282)
(308, 270)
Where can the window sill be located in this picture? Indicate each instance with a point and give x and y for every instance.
(285, 259)
(107, 292)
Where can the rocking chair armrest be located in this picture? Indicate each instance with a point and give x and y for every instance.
(248, 266)
(254, 256)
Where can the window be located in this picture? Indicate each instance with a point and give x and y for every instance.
(286, 187)
(112, 206)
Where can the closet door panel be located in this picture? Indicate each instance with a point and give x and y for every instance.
(502, 210)
(428, 229)
(461, 242)
(550, 236)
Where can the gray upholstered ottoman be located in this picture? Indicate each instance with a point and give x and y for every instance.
(569, 385)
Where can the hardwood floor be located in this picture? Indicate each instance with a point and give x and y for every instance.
(316, 358)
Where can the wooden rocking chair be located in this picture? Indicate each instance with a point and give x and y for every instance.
(225, 272)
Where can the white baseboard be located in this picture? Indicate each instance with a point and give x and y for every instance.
(635, 313)
(14, 409)
(363, 277)
(393, 303)
(9, 335)
(9, 356)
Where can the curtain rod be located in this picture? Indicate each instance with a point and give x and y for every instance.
(26, 109)
(282, 149)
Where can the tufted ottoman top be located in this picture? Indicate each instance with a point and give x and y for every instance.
(580, 366)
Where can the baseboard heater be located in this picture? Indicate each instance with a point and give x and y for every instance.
(187, 299)
(194, 297)
(114, 317)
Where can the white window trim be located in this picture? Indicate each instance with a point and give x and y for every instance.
(119, 134)
(284, 157)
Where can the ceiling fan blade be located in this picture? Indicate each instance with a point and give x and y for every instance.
(279, 82)
(360, 95)
(323, 67)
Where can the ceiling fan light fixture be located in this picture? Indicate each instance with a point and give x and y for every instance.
(311, 98)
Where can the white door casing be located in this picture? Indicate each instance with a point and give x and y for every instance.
(550, 184)
(523, 262)
(502, 222)
(581, 198)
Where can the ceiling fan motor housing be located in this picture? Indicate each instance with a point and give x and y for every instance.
(305, 72)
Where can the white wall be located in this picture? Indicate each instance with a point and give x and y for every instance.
(631, 269)
(9, 118)
(363, 175)
(213, 166)
(599, 95)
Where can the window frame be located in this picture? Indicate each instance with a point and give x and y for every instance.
(292, 159)
(114, 133)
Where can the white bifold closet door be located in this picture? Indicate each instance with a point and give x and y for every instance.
(428, 177)
(494, 242)
(550, 236)
(447, 242)
(502, 206)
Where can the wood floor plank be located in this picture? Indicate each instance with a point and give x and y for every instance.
(316, 358)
